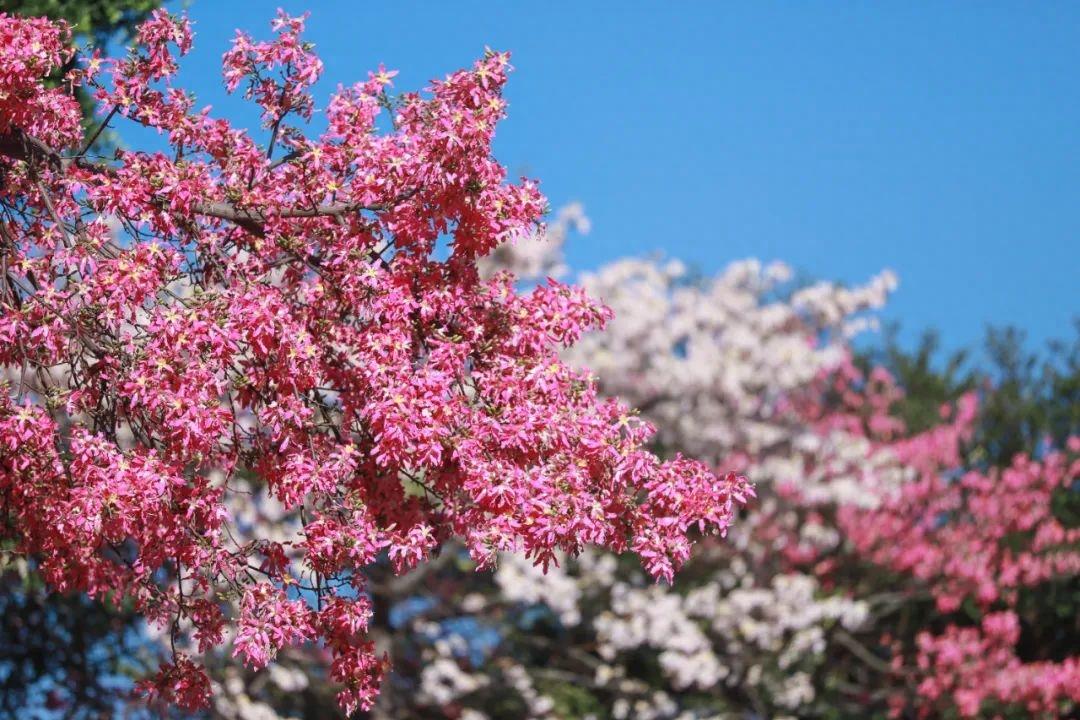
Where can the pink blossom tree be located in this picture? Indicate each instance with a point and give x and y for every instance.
(180, 327)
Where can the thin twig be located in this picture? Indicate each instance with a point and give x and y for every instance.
(97, 133)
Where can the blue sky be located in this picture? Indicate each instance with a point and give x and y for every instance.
(939, 140)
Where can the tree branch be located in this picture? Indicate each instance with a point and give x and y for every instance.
(863, 653)
(18, 145)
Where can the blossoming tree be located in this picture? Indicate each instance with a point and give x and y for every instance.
(178, 327)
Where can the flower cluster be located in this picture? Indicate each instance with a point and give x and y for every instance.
(980, 536)
(972, 668)
(31, 49)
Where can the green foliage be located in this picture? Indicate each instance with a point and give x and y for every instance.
(1035, 398)
(572, 701)
(1026, 397)
(926, 385)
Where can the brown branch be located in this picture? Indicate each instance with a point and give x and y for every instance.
(254, 220)
(18, 145)
(97, 133)
(863, 653)
(52, 210)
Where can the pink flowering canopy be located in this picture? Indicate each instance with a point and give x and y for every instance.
(176, 324)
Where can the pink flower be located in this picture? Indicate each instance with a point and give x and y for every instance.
(181, 683)
(268, 622)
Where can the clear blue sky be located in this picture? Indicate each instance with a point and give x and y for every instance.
(940, 140)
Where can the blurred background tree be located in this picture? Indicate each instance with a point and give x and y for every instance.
(1028, 397)
(1029, 403)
